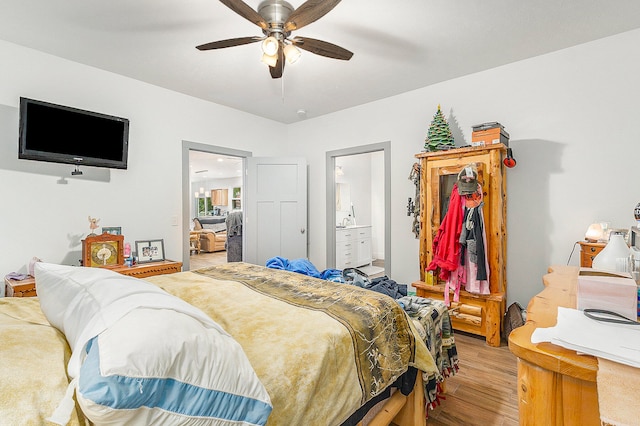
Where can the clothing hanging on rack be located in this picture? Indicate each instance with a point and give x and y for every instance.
(473, 253)
(460, 245)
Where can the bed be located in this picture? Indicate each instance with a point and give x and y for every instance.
(322, 350)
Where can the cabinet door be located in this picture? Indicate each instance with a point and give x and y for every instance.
(443, 177)
(364, 251)
(363, 246)
(439, 174)
(219, 197)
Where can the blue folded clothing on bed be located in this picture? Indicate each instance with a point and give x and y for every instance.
(303, 266)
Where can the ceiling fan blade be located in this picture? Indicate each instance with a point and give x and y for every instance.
(278, 69)
(228, 43)
(322, 48)
(246, 11)
(308, 12)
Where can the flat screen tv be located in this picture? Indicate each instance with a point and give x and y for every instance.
(62, 134)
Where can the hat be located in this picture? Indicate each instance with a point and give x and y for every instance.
(467, 181)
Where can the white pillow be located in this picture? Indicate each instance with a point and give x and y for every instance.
(143, 356)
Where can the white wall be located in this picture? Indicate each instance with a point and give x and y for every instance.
(45, 218)
(364, 173)
(573, 120)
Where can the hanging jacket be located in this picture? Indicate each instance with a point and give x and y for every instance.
(446, 244)
(472, 239)
(476, 261)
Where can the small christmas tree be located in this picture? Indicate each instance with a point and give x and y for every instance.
(439, 137)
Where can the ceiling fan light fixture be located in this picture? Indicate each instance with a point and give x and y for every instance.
(277, 18)
(292, 53)
(270, 60)
(270, 46)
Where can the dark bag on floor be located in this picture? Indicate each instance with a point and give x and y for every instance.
(513, 318)
(356, 277)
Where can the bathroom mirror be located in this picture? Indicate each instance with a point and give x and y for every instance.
(343, 197)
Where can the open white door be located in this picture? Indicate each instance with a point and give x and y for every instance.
(275, 216)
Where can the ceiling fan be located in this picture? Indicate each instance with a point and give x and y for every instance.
(278, 19)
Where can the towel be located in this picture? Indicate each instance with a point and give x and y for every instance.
(618, 390)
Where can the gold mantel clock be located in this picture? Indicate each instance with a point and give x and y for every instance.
(104, 251)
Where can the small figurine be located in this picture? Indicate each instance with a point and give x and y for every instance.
(93, 224)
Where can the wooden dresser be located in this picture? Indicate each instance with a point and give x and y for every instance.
(588, 252)
(150, 269)
(477, 314)
(27, 287)
(556, 386)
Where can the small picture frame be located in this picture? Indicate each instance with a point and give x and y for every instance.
(150, 251)
(112, 230)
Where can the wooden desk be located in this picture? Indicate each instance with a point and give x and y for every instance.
(556, 386)
(588, 252)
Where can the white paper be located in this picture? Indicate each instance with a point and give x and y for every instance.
(615, 342)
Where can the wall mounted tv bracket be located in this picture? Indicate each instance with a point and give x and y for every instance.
(77, 171)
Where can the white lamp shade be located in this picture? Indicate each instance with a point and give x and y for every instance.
(292, 53)
(270, 46)
(270, 60)
(614, 256)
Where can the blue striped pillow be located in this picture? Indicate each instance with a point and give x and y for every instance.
(139, 372)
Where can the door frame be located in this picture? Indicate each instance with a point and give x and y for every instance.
(186, 198)
(385, 147)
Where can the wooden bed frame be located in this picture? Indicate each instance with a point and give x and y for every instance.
(403, 410)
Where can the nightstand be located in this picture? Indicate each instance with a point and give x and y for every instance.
(588, 251)
(142, 270)
(27, 287)
(20, 288)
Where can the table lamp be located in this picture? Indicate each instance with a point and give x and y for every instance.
(594, 233)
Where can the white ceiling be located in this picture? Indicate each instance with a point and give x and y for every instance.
(204, 166)
(398, 45)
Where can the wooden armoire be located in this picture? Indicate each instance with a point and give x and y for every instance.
(475, 313)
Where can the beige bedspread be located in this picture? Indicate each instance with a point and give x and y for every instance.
(321, 349)
(33, 362)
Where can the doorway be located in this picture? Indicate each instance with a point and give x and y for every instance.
(212, 183)
(358, 193)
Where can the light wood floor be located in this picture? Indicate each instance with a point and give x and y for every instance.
(202, 260)
(483, 392)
